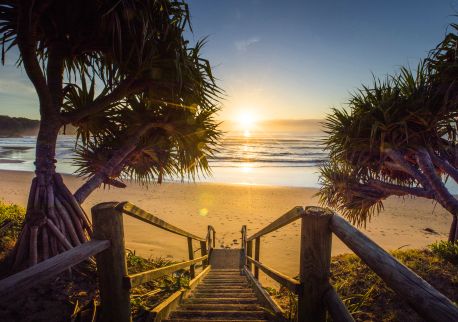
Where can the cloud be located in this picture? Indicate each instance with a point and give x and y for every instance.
(243, 45)
(16, 88)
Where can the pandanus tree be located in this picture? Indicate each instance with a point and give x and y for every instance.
(397, 138)
(141, 98)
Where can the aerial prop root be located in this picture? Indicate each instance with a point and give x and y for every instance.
(54, 222)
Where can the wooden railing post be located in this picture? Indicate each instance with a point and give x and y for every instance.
(257, 250)
(249, 253)
(192, 268)
(209, 238)
(203, 252)
(244, 253)
(315, 259)
(111, 263)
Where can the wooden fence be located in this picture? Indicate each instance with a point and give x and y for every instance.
(315, 293)
(107, 245)
(114, 280)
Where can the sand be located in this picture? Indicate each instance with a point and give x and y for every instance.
(227, 207)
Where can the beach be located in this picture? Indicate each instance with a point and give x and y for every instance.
(193, 206)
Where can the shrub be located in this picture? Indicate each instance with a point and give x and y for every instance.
(11, 220)
(446, 250)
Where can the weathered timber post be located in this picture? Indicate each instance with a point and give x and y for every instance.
(111, 263)
(244, 260)
(315, 259)
(203, 252)
(210, 238)
(257, 249)
(192, 268)
(249, 253)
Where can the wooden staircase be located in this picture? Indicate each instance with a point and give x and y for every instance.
(223, 295)
(228, 288)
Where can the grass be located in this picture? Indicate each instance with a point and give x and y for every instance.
(366, 295)
(11, 219)
(446, 250)
(147, 296)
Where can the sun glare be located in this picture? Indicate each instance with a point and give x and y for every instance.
(246, 122)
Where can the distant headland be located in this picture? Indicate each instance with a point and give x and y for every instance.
(17, 126)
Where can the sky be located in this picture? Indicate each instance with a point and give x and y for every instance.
(290, 59)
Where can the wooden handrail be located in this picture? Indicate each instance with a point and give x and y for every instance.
(281, 278)
(313, 288)
(284, 220)
(133, 211)
(46, 270)
(424, 298)
(148, 276)
(114, 281)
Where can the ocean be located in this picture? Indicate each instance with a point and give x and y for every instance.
(284, 159)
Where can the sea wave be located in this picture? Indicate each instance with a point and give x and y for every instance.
(280, 150)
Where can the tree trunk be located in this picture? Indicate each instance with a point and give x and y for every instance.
(54, 221)
(443, 196)
(113, 165)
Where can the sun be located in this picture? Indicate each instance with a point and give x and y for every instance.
(246, 122)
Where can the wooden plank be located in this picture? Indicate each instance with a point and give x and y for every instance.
(17, 284)
(243, 231)
(203, 252)
(336, 307)
(257, 250)
(192, 267)
(144, 216)
(421, 296)
(224, 258)
(148, 276)
(249, 253)
(281, 278)
(111, 263)
(284, 220)
(265, 298)
(211, 232)
(163, 310)
(314, 264)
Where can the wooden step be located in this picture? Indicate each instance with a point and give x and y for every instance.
(205, 320)
(225, 295)
(215, 277)
(220, 315)
(220, 307)
(223, 290)
(226, 274)
(222, 300)
(225, 286)
(221, 282)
